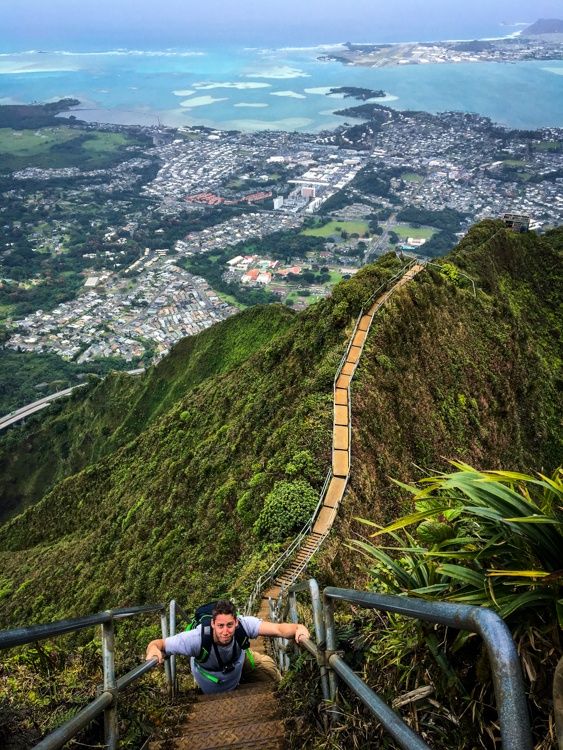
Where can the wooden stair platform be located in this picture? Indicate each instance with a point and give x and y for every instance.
(340, 450)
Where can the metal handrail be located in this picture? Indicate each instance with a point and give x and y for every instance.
(106, 702)
(506, 671)
(21, 636)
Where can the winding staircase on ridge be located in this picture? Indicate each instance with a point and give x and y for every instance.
(250, 716)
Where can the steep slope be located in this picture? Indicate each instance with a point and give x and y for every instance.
(444, 374)
(161, 509)
(87, 427)
(449, 375)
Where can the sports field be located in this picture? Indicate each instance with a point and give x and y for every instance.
(417, 233)
(412, 177)
(335, 227)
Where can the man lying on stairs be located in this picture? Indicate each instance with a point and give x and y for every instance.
(220, 653)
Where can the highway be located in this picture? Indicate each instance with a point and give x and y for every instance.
(26, 411)
(29, 409)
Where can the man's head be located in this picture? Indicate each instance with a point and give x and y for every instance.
(224, 622)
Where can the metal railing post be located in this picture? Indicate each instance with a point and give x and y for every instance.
(330, 644)
(320, 633)
(110, 686)
(293, 615)
(172, 659)
(167, 670)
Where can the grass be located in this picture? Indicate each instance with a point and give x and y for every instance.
(297, 297)
(412, 177)
(105, 142)
(229, 299)
(547, 146)
(417, 233)
(335, 278)
(513, 163)
(33, 143)
(60, 146)
(6, 311)
(333, 227)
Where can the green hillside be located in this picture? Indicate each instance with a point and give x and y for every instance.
(187, 456)
(82, 429)
(141, 489)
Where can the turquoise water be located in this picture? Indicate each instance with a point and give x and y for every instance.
(253, 89)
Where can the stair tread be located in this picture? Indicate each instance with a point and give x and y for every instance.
(235, 716)
(245, 688)
(255, 734)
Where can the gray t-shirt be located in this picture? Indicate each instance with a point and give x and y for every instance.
(189, 644)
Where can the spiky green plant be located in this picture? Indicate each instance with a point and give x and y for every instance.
(491, 538)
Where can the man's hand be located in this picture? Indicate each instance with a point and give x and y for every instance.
(283, 630)
(301, 633)
(155, 650)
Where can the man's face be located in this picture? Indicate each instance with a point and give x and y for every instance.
(224, 629)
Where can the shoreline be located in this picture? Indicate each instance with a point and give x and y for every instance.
(189, 51)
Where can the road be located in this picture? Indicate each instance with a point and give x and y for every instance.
(29, 409)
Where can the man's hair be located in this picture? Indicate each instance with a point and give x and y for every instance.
(224, 607)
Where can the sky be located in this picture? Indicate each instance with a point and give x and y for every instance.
(54, 23)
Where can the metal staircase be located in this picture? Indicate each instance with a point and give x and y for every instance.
(245, 718)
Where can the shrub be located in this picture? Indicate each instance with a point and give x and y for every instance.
(286, 508)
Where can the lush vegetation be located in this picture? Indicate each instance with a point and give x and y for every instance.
(447, 220)
(164, 479)
(417, 232)
(122, 406)
(61, 146)
(25, 377)
(287, 508)
(22, 116)
(480, 538)
(338, 227)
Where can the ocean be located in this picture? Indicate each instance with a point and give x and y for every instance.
(282, 88)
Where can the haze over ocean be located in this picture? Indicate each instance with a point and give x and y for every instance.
(236, 65)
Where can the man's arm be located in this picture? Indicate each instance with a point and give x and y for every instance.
(284, 630)
(155, 650)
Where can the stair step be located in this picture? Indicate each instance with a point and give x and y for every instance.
(266, 735)
(236, 713)
(243, 691)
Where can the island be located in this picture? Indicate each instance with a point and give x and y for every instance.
(356, 92)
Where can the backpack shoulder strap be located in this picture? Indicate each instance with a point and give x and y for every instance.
(241, 637)
(206, 643)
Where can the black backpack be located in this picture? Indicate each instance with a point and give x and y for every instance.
(203, 617)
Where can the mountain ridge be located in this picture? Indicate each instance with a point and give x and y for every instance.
(444, 374)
